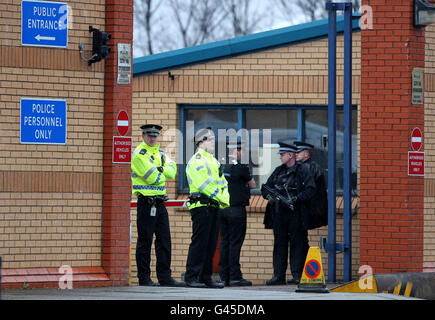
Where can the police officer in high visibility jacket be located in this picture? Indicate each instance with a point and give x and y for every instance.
(208, 193)
(150, 168)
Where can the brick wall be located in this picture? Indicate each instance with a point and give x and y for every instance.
(116, 184)
(391, 220)
(51, 195)
(289, 75)
(429, 147)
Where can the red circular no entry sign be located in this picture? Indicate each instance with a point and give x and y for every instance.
(122, 122)
(416, 139)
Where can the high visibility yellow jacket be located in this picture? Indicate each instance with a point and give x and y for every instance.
(145, 176)
(203, 176)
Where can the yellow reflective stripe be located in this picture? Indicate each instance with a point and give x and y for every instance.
(205, 184)
(149, 172)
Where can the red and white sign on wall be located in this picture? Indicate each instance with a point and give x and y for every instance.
(415, 163)
(416, 158)
(416, 139)
(121, 152)
(122, 122)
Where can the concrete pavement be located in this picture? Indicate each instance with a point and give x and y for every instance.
(285, 292)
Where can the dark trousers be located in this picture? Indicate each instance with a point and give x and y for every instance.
(199, 265)
(288, 228)
(147, 226)
(232, 226)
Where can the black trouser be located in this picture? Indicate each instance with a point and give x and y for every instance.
(232, 226)
(199, 265)
(147, 226)
(287, 227)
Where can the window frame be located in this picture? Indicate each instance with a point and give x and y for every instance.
(241, 122)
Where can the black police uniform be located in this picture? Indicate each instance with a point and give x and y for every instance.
(146, 227)
(316, 211)
(286, 223)
(232, 223)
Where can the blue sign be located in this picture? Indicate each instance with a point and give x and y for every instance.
(43, 121)
(44, 24)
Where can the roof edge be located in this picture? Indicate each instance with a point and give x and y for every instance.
(236, 46)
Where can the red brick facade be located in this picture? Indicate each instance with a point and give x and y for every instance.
(117, 188)
(392, 203)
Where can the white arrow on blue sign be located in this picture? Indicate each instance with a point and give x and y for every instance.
(43, 121)
(44, 24)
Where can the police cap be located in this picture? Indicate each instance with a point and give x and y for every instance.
(286, 146)
(151, 129)
(204, 134)
(303, 146)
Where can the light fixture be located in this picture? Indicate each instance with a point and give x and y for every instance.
(424, 13)
(100, 46)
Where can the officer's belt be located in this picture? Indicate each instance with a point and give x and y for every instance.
(152, 200)
(203, 199)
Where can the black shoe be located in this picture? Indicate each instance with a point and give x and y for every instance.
(275, 281)
(293, 281)
(172, 283)
(195, 284)
(240, 283)
(147, 283)
(214, 284)
(226, 282)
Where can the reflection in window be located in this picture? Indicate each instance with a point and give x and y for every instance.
(264, 149)
(216, 120)
(316, 133)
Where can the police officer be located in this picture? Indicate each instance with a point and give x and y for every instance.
(294, 181)
(317, 210)
(208, 193)
(232, 220)
(150, 168)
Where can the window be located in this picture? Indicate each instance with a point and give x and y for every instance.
(263, 151)
(261, 127)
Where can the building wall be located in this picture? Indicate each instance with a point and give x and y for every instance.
(429, 149)
(396, 229)
(289, 75)
(51, 195)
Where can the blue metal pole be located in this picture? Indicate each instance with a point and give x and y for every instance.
(332, 35)
(347, 186)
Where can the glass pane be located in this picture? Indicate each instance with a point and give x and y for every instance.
(316, 133)
(222, 122)
(266, 128)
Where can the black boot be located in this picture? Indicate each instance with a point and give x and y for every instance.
(275, 281)
(171, 282)
(147, 282)
(240, 283)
